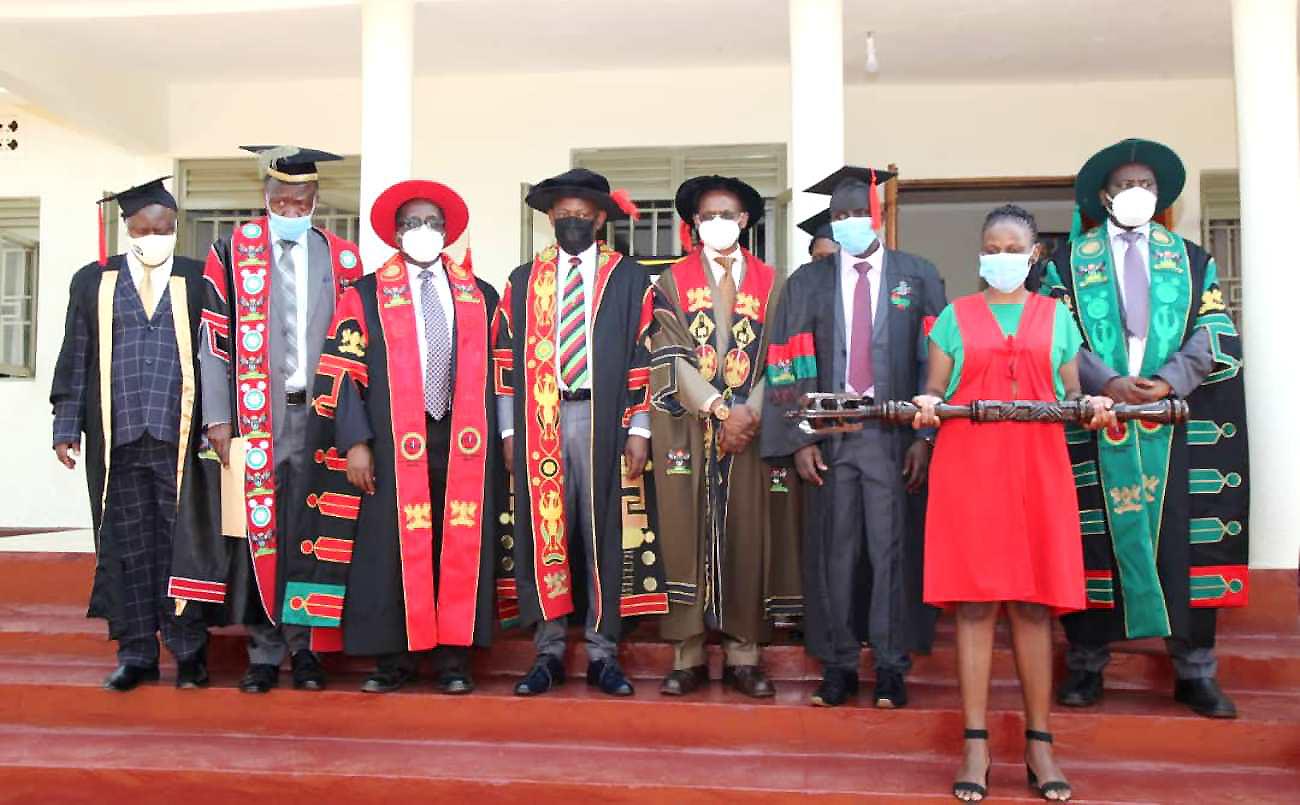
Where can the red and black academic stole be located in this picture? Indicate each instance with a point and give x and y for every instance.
(748, 316)
(463, 513)
(542, 440)
(250, 252)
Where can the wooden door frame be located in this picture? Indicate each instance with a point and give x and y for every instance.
(898, 185)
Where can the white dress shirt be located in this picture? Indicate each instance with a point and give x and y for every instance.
(298, 380)
(848, 286)
(587, 266)
(737, 273)
(158, 275)
(442, 288)
(1137, 347)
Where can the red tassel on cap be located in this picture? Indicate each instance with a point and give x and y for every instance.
(875, 202)
(103, 238)
(684, 232)
(625, 203)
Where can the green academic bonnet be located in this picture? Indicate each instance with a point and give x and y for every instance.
(290, 163)
(1160, 158)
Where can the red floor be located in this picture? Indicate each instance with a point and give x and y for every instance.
(63, 739)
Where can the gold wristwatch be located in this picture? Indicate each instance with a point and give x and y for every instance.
(721, 411)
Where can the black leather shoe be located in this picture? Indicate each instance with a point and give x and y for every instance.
(127, 677)
(836, 687)
(192, 674)
(1080, 689)
(891, 690)
(260, 678)
(749, 680)
(387, 680)
(456, 683)
(682, 681)
(547, 672)
(606, 675)
(307, 671)
(1205, 698)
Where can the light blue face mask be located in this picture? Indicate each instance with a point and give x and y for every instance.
(1005, 271)
(286, 228)
(855, 234)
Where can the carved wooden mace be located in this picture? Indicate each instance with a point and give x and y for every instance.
(832, 413)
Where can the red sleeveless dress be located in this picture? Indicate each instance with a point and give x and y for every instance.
(1003, 517)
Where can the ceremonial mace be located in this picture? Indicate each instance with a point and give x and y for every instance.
(838, 413)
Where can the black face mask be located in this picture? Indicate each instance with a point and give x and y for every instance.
(575, 235)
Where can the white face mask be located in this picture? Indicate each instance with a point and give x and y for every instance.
(423, 245)
(152, 250)
(1005, 271)
(719, 234)
(1133, 207)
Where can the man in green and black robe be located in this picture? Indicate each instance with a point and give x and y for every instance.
(1162, 508)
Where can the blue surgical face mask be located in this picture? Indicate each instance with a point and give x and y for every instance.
(855, 235)
(1005, 271)
(286, 228)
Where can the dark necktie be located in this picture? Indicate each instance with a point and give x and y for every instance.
(287, 281)
(437, 370)
(861, 374)
(1137, 286)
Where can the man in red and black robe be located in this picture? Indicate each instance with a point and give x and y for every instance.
(572, 383)
(271, 289)
(397, 555)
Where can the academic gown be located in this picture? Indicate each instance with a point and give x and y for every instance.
(242, 578)
(367, 563)
(548, 559)
(90, 306)
(807, 353)
(1182, 489)
(730, 524)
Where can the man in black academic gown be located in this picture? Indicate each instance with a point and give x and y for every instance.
(855, 321)
(398, 552)
(127, 377)
(572, 387)
(271, 284)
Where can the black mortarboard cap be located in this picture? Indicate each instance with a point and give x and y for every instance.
(827, 186)
(290, 163)
(819, 226)
(134, 199)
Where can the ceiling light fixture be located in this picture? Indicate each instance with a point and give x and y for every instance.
(873, 64)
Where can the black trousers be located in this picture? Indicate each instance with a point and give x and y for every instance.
(141, 511)
(445, 658)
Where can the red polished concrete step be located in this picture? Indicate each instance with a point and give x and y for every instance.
(1126, 725)
(1247, 662)
(96, 765)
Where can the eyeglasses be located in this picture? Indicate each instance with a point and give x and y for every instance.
(581, 215)
(726, 215)
(433, 222)
(1145, 184)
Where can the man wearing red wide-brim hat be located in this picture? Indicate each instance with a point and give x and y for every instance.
(401, 433)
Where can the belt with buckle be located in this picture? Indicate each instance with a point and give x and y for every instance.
(576, 395)
(295, 397)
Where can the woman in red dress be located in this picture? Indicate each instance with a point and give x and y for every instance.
(1003, 520)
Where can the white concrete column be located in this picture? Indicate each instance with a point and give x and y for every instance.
(816, 107)
(1268, 154)
(387, 72)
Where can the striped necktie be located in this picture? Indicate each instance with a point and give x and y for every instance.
(573, 329)
(286, 281)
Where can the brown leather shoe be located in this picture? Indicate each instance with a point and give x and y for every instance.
(749, 680)
(681, 682)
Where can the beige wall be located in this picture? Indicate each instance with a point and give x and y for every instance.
(974, 130)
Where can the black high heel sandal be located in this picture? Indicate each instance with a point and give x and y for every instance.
(1052, 786)
(961, 787)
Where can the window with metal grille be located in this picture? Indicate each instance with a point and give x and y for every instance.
(19, 257)
(216, 195)
(1221, 234)
(651, 177)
